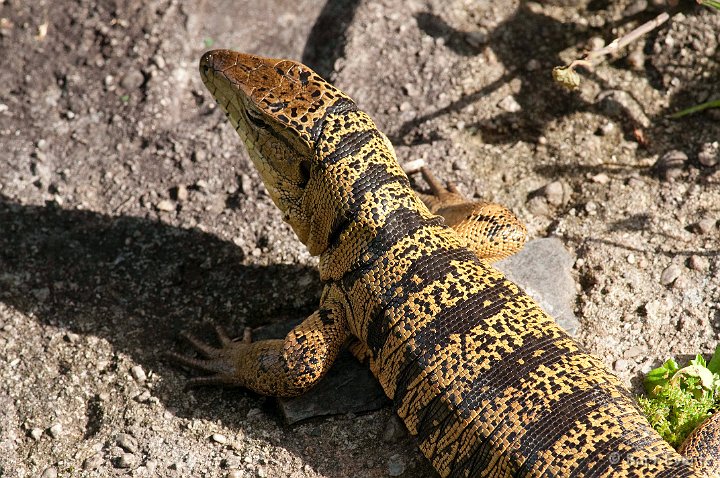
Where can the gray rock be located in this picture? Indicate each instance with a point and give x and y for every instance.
(510, 104)
(132, 80)
(670, 165)
(349, 387)
(670, 274)
(620, 104)
(396, 465)
(543, 269)
(709, 154)
(93, 461)
(394, 430)
(553, 192)
(127, 442)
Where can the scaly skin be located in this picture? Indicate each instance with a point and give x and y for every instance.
(488, 383)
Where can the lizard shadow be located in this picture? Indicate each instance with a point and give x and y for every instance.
(137, 283)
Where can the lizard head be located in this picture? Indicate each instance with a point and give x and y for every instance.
(278, 108)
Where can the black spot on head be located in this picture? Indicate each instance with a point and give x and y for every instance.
(283, 118)
(280, 71)
(315, 93)
(304, 77)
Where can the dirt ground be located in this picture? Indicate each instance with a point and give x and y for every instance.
(129, 211)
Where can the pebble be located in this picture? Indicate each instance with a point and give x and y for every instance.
(93, 461)
(218, 438)
(235, 474)
(698, 263)
(553, 192)
(50, 472)
(261, 473)
(410, 89)
(36, 434)
(55, 430)
(396, 465)
(532, 65)
(631, 259)
(394, 430)
(704, 226)
(245, 184)
(634, 351)
(138, 373)
(132, 80)
(670, 165)
(636, 60)
(127, 460)
(670, 274)
(621, 365)
(459, 165)
(621, 104)
(165, 205)
(476, 38)
(127, 442)
(510, 104)
(181, 192)
(607, 129)
(600, 178)
(591, 207)
(709, 154)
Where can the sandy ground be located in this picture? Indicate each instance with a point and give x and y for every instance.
(129, 211)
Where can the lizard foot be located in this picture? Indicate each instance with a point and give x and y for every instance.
(218, 361)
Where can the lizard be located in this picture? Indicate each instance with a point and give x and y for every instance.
(485, 380)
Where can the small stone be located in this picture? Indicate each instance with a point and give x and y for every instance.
(395, 465)
(620, 365)
(631, 259)
(394, 430)
(69, 114)
(218, 438)
(254, 414)
(532, 65)
(159, 61)
(621, 105)
(261, 473)
(42, 144)
(405, 106)
(636, 60)
(50, 472)
(201, 184)
(126, 442)
(245, 184)
(55, 430)
(698, 263)
(459, 165)
(553, 192)
(235, 474)
(510, 104)
(634, 351)
(36, 434)
(595, 43)
(41, 295)
(138, 373)
(670, 165)
(410, 89)
(600, 178)
(591, 207)
(165, 205)
(709, 154)
(669, 275)
(607, 129)
(704, 226)
(127, 460)
(538, 206)
(476, 38)
(92, 462)
(132, 80)
(181, 193)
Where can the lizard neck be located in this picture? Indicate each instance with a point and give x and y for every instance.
(359, 191)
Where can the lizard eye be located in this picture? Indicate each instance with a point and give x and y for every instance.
(256, 119)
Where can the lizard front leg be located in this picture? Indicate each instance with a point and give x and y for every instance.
(283, 367)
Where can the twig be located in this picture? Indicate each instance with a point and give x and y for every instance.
(566, 75)
(696, 108)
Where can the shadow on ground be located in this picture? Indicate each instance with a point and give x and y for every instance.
(136, 282)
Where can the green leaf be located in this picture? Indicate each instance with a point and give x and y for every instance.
(208, 42)
(714, 364)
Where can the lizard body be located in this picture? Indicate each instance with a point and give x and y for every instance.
(485, 379)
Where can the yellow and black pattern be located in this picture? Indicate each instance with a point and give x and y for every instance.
(488, 383)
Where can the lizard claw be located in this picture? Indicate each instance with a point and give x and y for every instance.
(218, 361)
